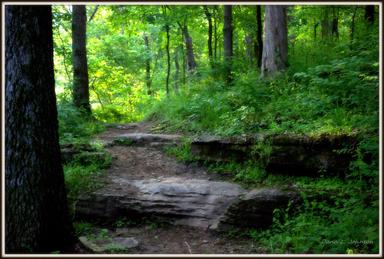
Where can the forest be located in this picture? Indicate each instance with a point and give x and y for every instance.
(192, 129)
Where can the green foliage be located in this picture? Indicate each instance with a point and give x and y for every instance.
(73, 126)
(182, 152)
(82, 228)
(82, 175)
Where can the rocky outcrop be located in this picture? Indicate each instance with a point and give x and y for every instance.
(198, 203)
(296, 155)
(255, 209)
(109, 244)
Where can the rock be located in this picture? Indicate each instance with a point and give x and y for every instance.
(191, 202)
(141, 139)
(290, 154)
(255, 209)
(105, 245)
(182, 201)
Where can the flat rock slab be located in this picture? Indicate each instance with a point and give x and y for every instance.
(190, 202)
(141, 139)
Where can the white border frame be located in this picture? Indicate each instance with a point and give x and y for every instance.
(380, 4)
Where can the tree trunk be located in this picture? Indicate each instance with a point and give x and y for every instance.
(325, 25)
(228, 42)
(191, 63)
(370, 14)
(36, 218)
(209, 19)
(147, 65)
(249, 48)
(177, 72)
(168, 60)
(335, 22)
(79, 55)
(352, 33)
(259, 35)
(215, 34)
(275, 46)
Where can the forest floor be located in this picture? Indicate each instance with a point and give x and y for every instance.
(146, 162)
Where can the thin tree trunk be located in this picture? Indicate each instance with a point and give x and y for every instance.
(353, 24)
(370, 14)
(94, 13)
(168, 60)
(259, 35)
(249, 48)
(215, 33)
(36, 211)
(147, 65)
(209, 19)
(228, 42)
(335, 22)
(177, 72)
(79, 56)
(276, 44)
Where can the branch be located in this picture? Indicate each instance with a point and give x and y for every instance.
(93, 13)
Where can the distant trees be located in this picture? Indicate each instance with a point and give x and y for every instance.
(275, 48)
(36, 212)
(228, 41)
(147, 65)
(208, 15)
(79, 57)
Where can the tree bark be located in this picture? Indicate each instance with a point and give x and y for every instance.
(259, 35)
(147, 65)
(209, 19)
(335, 22)
(191, 63)
(275, 48)
(79, 55)
(36, 212)
(228, 41)
(168, 60)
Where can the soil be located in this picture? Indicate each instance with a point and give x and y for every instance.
(134, 162)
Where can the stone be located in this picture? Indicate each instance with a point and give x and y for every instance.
(105, 245)
(255, 209)
(141, 139)
(191, 202)
(290, 154)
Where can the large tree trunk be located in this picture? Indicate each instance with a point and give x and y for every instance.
(191, 63)
(259, 35)
(209, 19)
(79, 55)
(228, 41)
(168, 60)
(147, 65)
(275, 48)
(36, 212)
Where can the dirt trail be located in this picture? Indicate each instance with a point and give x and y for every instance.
(145, 162)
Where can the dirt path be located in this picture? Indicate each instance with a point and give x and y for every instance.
(145, 162)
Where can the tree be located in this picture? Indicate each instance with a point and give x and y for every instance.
(259, 37)
(79, 56)
(228, 41)
(36, 213)
(147, 65)
(208, 15)
(370, 14)
(275, 47)
(191, 63)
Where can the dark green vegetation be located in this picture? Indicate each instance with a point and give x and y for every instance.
(331, 87)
